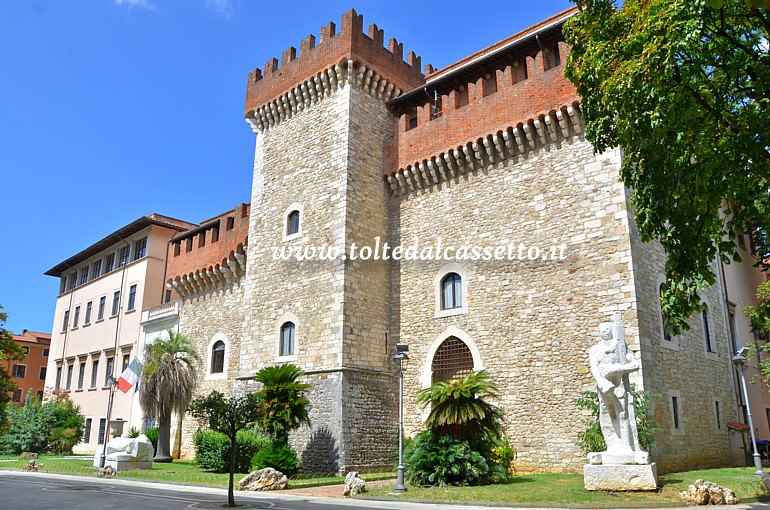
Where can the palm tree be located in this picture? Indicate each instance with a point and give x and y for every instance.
(168, 383)
(284, 406)
(459, 408)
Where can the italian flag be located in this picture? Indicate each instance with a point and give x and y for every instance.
(130, 376)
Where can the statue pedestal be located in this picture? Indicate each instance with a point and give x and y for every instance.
(620, 477)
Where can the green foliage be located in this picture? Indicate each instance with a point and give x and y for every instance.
(434, 459)
(133, 433)
(592, 440)
(759, 316)
(213, 450)
(9, 351)
(459, 408)
(279, 455)
(29, 427)
(284, 406)
(68, 424)
(501, 459)
(152, 435)
(682, 86)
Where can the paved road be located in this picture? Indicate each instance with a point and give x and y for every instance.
(33, 491)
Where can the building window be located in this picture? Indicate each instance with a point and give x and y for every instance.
(292, 223)
(461, 97)
(94, 372)
(124, 364)
(168, 296)
(452, 360)
(81, 374)
(40, 394)
(733, 327)
(42, 374)
(489, 84)
(707, 329)
(76, 317)
(87, 318)
(230, 223)
(66, 320)
(123, 256)
(666, 335)
(19, 371)
(102, 428)
(115, 303)
(102, 303)
(62, 284)
(16, 397)
(188, 245)
(218, 357)
(108, 372)
(131, 297)
(84, 275)
(215, 234)
(26, 350)
(46, 351)
(140, 248)
(718, 412)
(97, 271)
(73, 280)
(70, 369)
(287, 339)
(87, 431)
(451, 291)
(411, 119)
(675, 413)
(58, 377)
(177, 248)
(109, 264)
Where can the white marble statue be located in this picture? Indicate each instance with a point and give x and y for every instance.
(125, 453)
(611, 362)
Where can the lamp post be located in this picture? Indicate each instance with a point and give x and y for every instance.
(113, 385)
(740, 363)
(401, 357)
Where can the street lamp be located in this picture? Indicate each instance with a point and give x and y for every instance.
(740, 363)
(401, 357)
(113, 386)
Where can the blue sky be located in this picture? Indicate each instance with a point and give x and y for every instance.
(114, 109)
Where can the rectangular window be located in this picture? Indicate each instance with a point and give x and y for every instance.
(707, 331)
(58, 377)
(94, 372)
(115, 303)
(102, 302)
(66, 320)
(411, 119)
(70, 369)
(84, 275)
(719, 414)
(140, 248)
(26, 350)
(108, 373)
(42, 374)
(76, 317)
(73, 280)
(131, 297)
(461, 97)
(733, 328)
(489, 84)
(168, 296)
(87, 431)
(97, 271)
(87, 318)
(16, 397)
(102, 427)
(40, 394)
(675, 411)
(81, 374)
(19, 371)
(62, 284)
(45, 352)
(123, 256)
(109, 263)
(126, 359)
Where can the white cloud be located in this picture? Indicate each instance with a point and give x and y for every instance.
(147, 4)
(221, 7)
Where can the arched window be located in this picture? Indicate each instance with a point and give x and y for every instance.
(707, 329)
(287, 339)
(451, 291)
(292, 223)
(218, 357)
(666, 334)
(452, 360)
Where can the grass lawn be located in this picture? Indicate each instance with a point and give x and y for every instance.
(568, 489)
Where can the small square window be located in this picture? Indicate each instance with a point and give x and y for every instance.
(97, 271)
(42, 373)
(46, 351)
(26, 350)
(19, 371)
(16, 397)
(123, 257)
(109, 263)
(140, 248)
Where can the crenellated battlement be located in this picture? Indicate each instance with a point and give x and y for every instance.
(350, 43)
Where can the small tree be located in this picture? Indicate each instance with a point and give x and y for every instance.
(759, 316)
(168, 383)
(283, 405)
(68, 424)
(28, 428)
(227, 416)
(592, 440)
(9, 351)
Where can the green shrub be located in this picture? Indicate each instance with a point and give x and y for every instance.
(501, 459)
(278, 455)
(152, 435)
(29, 426)
(212, 450)
(433, 459)
(133, 433)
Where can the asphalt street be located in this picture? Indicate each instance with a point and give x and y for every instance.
(33, 491)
